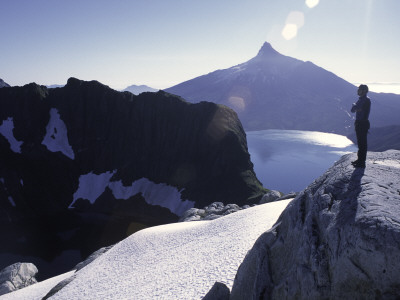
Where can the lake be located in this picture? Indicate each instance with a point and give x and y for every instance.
(289, 160)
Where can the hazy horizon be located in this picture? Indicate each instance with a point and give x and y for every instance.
(161, 44)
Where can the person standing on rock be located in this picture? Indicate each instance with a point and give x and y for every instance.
(362, 108)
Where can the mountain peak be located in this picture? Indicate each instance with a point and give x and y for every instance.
(267, 51)
(3, 83)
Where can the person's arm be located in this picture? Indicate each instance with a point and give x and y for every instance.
(355, 107)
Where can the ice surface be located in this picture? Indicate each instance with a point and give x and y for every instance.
(56, 138)
(91, 186)
(6, 129)
(175, 261)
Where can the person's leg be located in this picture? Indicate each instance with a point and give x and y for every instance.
(362, 146)
(361, 132)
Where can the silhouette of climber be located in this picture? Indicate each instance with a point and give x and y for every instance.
(362, 108)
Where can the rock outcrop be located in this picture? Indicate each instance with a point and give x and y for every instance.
(210, 212)
(17, 276)
(338, 239)
(219, 291)
(83, 166)
(218, 209)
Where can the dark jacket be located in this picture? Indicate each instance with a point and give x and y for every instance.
(362, 108)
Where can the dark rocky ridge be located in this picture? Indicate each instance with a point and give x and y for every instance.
(274, 91)
(200, 149)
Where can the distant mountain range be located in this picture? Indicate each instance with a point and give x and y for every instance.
(3, 84)
(273, 91)
(138, 89)
(381, 138)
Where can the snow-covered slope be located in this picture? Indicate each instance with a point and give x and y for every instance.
(175, 261)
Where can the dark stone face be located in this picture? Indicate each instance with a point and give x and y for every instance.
(58, 135)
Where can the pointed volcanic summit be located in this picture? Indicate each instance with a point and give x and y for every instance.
(267, 51)
(274, 91)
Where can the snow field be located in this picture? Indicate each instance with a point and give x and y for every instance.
(174, 261)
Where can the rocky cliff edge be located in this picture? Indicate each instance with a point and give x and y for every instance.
(338, 239)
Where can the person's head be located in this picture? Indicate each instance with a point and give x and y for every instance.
(362, 90)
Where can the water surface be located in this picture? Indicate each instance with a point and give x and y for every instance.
(289, 160)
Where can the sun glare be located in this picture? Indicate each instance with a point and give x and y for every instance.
(295, 17)
(294, 21)
(289, 31)
(326, 139)
(237, 102)
(312, 3)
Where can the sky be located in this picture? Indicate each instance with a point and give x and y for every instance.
(162, 43)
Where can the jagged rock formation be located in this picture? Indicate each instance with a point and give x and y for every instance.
(17, 276)
(270, 196)
(219, 291)
(381, 138)
(273, 91)
(218, 209)
(210, 212)
(339, 239)
(83, 166)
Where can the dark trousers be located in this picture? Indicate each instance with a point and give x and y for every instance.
(361, 133)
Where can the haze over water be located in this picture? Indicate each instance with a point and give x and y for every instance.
(290, 160)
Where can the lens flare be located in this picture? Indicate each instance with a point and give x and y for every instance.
(237, 103)
(289, 31)
(312, 3)
(295, 17)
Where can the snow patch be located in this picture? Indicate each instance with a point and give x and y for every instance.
(388, 163)
(154, 194)
(56, 138)
(6, 129)
(91, 186)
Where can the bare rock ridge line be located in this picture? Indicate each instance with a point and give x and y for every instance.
(338, 239)
(148, 158)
